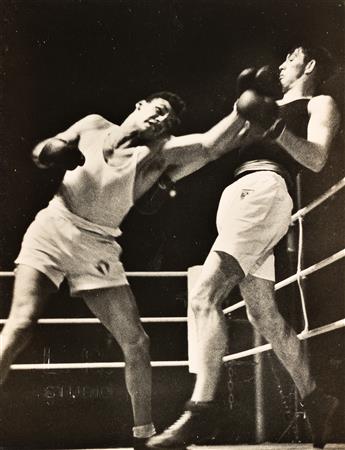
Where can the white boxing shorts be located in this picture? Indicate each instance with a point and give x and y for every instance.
(254, 213)
(62, 245)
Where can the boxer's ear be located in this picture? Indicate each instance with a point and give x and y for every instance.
(139, 104)
(310, 66)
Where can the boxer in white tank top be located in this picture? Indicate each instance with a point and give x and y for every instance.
(108, 167)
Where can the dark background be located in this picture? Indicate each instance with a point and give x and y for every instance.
(61, 60)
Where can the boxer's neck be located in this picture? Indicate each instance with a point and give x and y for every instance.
(301, 88)
(295, 93)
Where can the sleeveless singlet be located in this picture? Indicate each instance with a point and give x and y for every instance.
(97, 192)
(296, 117)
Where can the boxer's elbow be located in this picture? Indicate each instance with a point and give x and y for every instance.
(319, 160)
(211, 148)
(318, 164)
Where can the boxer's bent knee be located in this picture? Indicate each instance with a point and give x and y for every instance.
(136, 349)
(220, 273)
(201, 304)
(25, 310)
(264, 320)
(19, 330)
(21, 322)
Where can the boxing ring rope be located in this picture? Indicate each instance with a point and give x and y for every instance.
(116, 365)
(138, 274)
(263, 348)
(89, 321)
(93, 365)
(305, 334)
(299, 275)
(303, 273)
(301, 336)
(331, 191)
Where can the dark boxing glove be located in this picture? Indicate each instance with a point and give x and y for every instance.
(246, 80)
(262, 111)
(61, 154)
(264, 81)
(267, 82)
(153, 200)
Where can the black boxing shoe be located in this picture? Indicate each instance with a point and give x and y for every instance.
(320, 408)
(196, 425)
(140, 443)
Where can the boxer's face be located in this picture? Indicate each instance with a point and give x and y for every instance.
(154, 117)
(292, 68)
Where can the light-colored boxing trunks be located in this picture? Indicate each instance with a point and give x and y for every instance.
(254, 214)
(62, 245)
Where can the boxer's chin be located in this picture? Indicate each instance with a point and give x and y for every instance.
(151, 132)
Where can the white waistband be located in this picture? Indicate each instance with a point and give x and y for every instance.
(57, 206)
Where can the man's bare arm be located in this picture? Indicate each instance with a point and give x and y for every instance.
(67, 140)
(186, 154)
(322, 128)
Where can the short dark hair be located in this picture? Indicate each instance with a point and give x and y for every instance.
(176, 102)
(325, 64)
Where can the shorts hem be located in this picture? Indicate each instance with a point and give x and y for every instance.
(249, 265)
(41, 270)
(262, 276)
(240, 260)
(76, 292)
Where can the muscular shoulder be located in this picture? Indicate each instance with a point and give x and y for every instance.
(90, 123)
(324, 112)
(322, 103)
(94, 121)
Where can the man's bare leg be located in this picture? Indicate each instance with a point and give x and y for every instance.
(220, 273)
(118, 312)
(30, 294)
(264, 315)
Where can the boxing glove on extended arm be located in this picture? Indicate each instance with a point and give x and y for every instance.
(58, 153)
